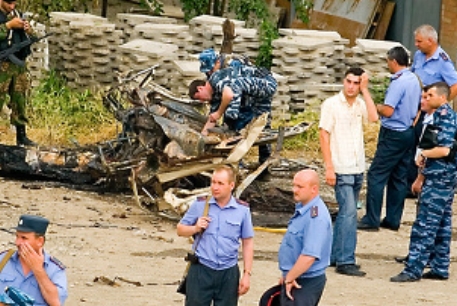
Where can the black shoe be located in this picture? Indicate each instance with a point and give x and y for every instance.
(385, 224)
(21, 137)
(333, 264)
(403, 278)
(402, 259)
(433, 275)
(350, 270)
(366, 227)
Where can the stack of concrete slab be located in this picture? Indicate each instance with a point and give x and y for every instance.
(207, 32)
(140, 54)
(83, 49)
(165, 33)
(302, 61)
(246, 42)
(127, 22)
(370, 55)
(280, 106)
(187, 72)
(37, 62)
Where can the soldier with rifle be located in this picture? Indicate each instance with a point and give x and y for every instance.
(13, 78)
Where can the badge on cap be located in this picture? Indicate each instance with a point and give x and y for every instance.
(314, 211)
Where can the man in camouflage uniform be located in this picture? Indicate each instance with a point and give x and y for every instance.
(13, 77)
(239, 97)
(431, 230)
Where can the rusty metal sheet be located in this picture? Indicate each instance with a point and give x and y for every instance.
(350, 18)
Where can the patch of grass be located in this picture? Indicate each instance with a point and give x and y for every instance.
(58, 114)
(305, 145)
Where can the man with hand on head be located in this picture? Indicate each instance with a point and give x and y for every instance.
(342, 146)
(32, 270)
(304, 254)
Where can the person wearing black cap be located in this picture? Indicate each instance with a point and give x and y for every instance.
(13, 73)
(30, 268)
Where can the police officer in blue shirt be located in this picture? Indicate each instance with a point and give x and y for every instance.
(395, 144)
(304, 254)
(214, 275)
(32, 270)
(432, 231)
(431, 63)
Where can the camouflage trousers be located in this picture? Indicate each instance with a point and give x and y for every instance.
(14, 84)
(432, 229)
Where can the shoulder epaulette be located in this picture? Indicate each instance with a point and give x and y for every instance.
(397, 76)
(202, 198)
(314, 211)
(57, 262)
(241, 202)
(444, 56)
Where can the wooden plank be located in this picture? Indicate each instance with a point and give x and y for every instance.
(381, 29)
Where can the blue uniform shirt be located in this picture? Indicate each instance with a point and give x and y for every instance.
(446, 120)
(219, 244)
(13, 276)
(438, 68)
(403, 94)
(309, 233)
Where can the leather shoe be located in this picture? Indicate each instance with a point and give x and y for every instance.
(401, 259)
(403, 278)
(433, 275)
(366, 227)
(333, 264)
(350, 270)
(385, 224)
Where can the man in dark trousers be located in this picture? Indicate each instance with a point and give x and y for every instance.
(394, 150)
(215, 276)
(304, 254)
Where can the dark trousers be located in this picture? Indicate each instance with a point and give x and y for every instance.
(308, 295)
(205, 285)
(389, 167)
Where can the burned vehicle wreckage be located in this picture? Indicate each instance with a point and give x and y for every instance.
(159, 154)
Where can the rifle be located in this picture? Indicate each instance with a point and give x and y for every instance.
(10, 52)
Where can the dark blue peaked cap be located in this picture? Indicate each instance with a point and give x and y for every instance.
(271, 297)
(32, 224)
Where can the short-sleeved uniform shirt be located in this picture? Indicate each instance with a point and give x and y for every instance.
(437, 68)
(309, 232)
(12, 276)
(220, 242)
(403, 95)
(344, 123)
(445, 119)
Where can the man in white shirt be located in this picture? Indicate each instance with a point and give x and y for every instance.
(342, 145)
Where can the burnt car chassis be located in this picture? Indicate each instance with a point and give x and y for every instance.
(159, 153)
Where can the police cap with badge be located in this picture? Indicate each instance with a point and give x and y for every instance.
(32, 224)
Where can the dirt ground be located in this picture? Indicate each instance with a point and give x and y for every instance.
(99, 236)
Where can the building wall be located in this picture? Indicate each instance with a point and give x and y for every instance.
(448, 33)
